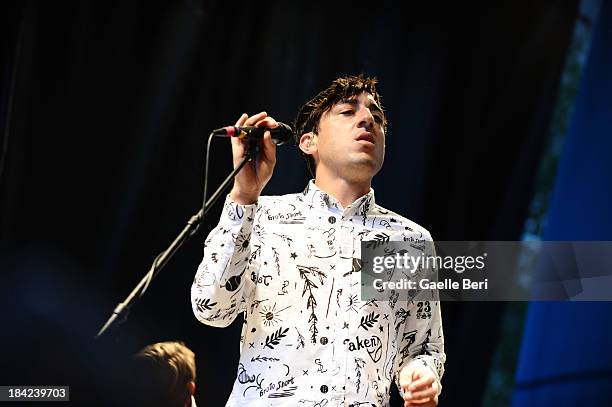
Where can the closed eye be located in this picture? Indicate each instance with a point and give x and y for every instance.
(377, 117)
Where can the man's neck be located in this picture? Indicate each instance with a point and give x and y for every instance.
(345, 191)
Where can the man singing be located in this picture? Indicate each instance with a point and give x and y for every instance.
(292, 265)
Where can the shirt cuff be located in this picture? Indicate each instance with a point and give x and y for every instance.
(235, 214)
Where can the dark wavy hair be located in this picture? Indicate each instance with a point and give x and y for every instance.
(341, 88)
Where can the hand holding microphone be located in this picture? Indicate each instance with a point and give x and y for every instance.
(280, 134)
(252, 179)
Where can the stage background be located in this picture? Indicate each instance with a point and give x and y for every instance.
(105, 110)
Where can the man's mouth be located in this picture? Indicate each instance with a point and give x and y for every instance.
(366, 136)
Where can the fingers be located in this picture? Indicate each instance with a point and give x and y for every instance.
(260, 119)
(252, 121)
(422, 383)
(267, 122)
(423, 395)
(427, 393)
(421, 391)
(245, 120)
(241, 119)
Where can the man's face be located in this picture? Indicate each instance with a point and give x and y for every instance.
(351, 140)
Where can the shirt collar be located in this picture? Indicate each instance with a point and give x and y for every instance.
(313, 195)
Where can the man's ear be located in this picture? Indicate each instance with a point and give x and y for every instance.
(308, 143)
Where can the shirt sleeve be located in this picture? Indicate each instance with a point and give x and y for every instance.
(422, 340)
(222, 282)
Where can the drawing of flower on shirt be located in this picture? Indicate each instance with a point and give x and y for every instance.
(270, 315)
(306, 273)
(242, 242)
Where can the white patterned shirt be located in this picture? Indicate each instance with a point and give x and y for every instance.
(292, 265)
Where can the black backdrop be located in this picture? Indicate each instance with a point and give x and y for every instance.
(105, 110)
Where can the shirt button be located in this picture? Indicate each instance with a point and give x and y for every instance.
(323, 340)
(324, 389)
(331, 220)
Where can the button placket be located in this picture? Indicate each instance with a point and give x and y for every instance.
(347, 278)
(328, 340)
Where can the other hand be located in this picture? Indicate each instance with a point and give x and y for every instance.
(420, 386)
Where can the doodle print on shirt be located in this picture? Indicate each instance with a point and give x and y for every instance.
(308, 274)
(271, 316)
(291, 264)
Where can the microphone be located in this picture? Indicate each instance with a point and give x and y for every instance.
(280, 135)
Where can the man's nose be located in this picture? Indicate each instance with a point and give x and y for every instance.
(367, 119)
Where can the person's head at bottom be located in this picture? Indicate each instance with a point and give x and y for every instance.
(163, 374)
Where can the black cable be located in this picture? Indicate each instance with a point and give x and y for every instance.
(210, 137)
(188, 231)
(151, 273)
